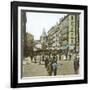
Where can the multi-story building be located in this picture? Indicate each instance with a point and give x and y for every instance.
(77, 35)
(53, 37)
(65, 35)
(43, 39)
(68, 34)
(54, 40)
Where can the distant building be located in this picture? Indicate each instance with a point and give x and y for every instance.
(43, 39)
(37, 45)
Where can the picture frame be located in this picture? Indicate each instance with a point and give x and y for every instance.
(20, 14)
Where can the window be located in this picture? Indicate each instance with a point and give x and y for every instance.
(72, 37)
(71, 17)
(71, 41)
(71, 29)
(71, 34)
(71, 23)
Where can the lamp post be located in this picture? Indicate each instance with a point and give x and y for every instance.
(66, 50)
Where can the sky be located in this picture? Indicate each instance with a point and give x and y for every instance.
(36, 22)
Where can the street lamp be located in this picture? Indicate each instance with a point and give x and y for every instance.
(66, 50)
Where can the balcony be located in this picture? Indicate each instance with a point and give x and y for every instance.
(64, 38)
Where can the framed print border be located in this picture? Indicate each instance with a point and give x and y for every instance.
(15, 39)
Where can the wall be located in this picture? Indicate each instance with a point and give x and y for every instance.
(5, 46)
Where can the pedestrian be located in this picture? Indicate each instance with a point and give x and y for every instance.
(43, 58)
(70, 56)
(46, 62)
(49, 68)
(40, 60)
(31, 58)
(76, 65)
(54, 66)
(35, 59)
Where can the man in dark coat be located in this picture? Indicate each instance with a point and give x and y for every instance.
(46, 62)
(76, 65)
(49, 67)
(54, 65)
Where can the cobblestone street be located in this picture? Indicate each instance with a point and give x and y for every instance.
(65, 68)
(36, 69)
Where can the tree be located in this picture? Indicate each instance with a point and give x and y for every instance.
(28, 45)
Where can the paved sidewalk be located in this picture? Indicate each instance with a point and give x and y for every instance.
(65, 68)
(34, 69)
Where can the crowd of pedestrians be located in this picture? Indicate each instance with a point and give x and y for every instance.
(51, 64)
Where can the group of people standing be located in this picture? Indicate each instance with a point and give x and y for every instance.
(51, 65)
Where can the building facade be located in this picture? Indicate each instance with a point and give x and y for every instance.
(54, 37)
(64, 36)
(68, 35)
(54, 40)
